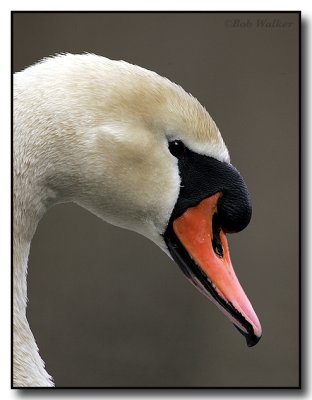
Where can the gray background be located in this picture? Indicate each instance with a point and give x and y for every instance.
(106, 306)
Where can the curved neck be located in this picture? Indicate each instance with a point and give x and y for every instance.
(31, 199)
(28, 367)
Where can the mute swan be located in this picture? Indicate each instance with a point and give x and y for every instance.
(139, 152)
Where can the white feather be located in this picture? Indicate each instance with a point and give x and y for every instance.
(95, 131)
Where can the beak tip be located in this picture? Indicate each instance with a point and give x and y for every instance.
(251, 338)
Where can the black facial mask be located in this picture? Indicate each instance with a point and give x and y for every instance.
(203, 176)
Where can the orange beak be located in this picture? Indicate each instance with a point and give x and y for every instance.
(203, 254)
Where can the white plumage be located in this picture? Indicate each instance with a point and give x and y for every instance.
(95, 131)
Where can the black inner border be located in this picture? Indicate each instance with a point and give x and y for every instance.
(241, 391)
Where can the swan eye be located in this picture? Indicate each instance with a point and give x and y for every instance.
(176, 148)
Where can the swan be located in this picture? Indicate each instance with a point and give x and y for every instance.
(137, 151)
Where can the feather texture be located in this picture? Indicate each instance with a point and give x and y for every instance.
(95, 131)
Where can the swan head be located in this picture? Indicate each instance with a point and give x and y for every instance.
(182, 197)
(144, 155)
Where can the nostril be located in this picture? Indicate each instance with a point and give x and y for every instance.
(216, 241)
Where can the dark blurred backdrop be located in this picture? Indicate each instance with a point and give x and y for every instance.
(106, 306)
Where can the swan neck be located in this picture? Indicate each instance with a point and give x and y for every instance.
(29, 206)
(28, 367)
